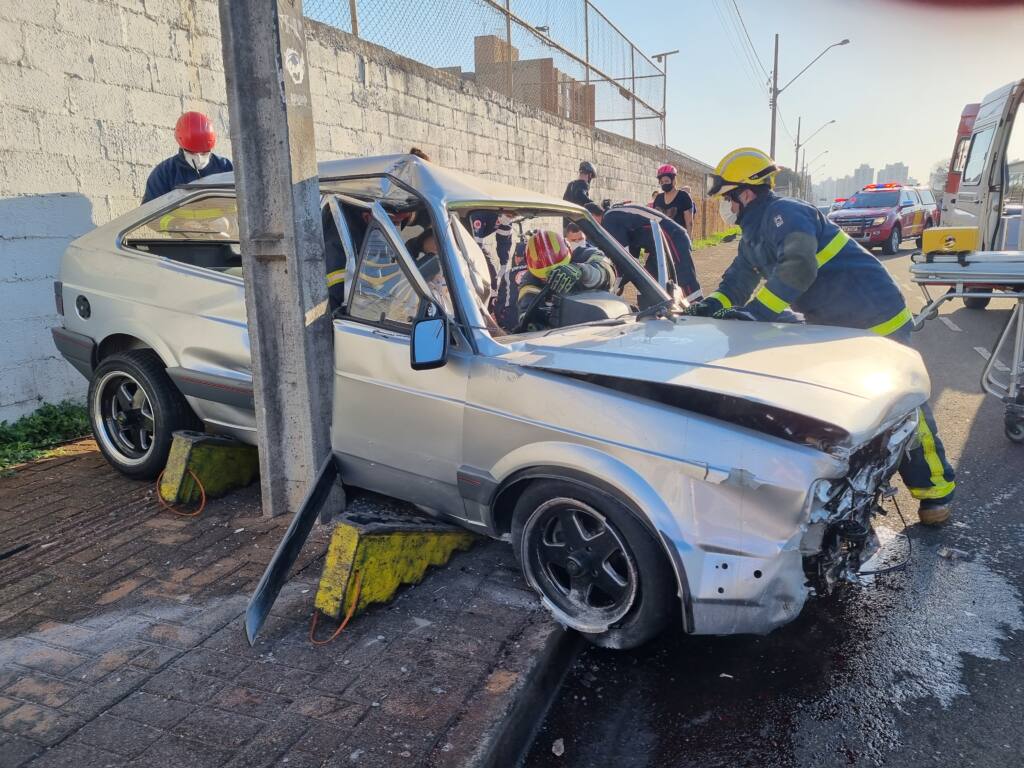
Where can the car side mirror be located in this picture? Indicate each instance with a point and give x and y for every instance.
(429, 346)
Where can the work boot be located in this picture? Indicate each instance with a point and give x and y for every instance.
(933, 512)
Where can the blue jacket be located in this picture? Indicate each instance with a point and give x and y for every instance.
(808, 264)
(174, 171)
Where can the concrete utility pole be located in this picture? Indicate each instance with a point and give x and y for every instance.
(775, 92)
(278, 188)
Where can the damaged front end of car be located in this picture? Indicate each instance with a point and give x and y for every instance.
(839, 535)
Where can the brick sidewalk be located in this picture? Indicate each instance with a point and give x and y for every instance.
(120, 638)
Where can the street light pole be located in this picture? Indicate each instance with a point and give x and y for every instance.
(775, 81)
(806, 141)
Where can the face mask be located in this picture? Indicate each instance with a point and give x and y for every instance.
(725, 209)
(576, 243)
(666, 187)
(197, 160)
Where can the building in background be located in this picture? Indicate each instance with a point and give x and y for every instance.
(894, 172)
(862, 176)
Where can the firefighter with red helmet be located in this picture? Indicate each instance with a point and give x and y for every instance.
(554, 270)
(194, 159)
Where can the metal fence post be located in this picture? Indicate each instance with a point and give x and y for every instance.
(354, 13)
(586, 38)
(632, 75)
(508, 41)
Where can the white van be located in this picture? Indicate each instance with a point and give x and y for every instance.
(985, 197)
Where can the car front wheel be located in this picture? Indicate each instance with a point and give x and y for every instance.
(597, 567)
(134, 408)
(893, 243)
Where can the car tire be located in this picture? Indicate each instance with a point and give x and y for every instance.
(920, 238)
(978, 302)
(630, 588)
(134, 408)
(892, 245)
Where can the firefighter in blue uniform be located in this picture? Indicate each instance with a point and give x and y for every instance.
(630, 224)
(193, 160)
(809, 264)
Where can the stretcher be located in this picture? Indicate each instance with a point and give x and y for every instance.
(983, 275)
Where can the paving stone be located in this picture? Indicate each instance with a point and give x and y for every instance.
(16, 751)
(184, 686)
(72, 755)
(276, 678)
(251, 702)
(54, 661)
(101, 696)
(176, 752)
(118, 735)
(42, 689)
(173, 635)
(148, 708)
(47, 726)
(215, 726)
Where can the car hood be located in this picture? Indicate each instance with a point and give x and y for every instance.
(853, 380)
(857, 213)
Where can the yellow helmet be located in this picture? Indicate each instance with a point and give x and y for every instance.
(745, 165)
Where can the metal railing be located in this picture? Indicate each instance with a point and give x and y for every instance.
(563, 56)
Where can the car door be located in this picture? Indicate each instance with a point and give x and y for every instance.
(979, 201)
(395, 430)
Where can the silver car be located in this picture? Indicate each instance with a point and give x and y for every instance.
(646, 466)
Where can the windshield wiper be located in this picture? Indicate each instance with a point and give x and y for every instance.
(655, 310)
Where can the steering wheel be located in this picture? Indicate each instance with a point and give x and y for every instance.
(531, 310)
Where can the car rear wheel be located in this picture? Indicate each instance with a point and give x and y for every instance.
(134, 408)
(597, 567)
(978, 302)
(893, 243)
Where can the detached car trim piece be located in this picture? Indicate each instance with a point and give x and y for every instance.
(734, 467)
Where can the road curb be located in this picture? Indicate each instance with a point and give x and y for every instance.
(500, 721)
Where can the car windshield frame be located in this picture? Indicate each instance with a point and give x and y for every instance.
(627, 268)
(892, 199)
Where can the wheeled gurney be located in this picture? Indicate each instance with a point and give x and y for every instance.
(983, 275)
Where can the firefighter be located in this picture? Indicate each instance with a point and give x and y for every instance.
(556, 270)
(811, 265)
(631, 226)
(194, 159)
(578, 190)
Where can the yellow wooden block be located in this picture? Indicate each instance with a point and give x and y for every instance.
(386, 554)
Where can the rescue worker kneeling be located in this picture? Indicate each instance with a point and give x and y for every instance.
(809, 264)
(554, 270)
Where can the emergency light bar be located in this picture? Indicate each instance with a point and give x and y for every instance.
(887, 185)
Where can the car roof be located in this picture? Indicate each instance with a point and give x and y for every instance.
(430, 180)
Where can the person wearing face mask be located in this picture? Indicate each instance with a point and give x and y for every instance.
(674, 203)
(194, 159)
(809, 264)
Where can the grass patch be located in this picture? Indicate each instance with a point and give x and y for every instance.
(34, 435)
(716, 238)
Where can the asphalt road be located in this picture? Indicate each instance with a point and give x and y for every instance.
(916, 668)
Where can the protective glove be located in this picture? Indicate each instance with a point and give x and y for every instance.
(564, 277)
(704, 308)
(733, 314)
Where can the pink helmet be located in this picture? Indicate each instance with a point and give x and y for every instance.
(666, 170)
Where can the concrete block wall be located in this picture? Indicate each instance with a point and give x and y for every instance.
(90, 91)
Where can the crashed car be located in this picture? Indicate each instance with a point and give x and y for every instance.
(646, 466)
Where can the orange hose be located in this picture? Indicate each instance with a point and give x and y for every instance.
(341, 627)
(202, 497)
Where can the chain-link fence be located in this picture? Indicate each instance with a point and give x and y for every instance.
(563, 56)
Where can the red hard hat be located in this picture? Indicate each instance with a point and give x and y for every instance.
(666, 170)
(545, 251)
(195, 133)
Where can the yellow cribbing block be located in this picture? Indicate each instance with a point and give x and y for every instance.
(949, 240)
(388, 551)
(221, 464)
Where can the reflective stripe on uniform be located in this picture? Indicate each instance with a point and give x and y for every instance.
(335, 277)
(940, 487)
(893, 324)
(835, 245)
(770, 300)
(722, 299)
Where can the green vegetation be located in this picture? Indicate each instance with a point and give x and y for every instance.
(716, 238)
(36, 434)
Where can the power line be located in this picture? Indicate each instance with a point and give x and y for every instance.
(747, 35)
(732, 43)
(750, 59)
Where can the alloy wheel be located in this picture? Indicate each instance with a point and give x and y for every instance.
(580, 563)
(123, 417)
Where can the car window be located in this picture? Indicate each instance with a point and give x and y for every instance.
(976, 156)
(382, 293)
(212, 218)
(926, 197)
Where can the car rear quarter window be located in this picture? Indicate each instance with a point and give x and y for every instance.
(976, 156)
(213, 218)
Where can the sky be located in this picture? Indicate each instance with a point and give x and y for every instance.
(896, 91)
